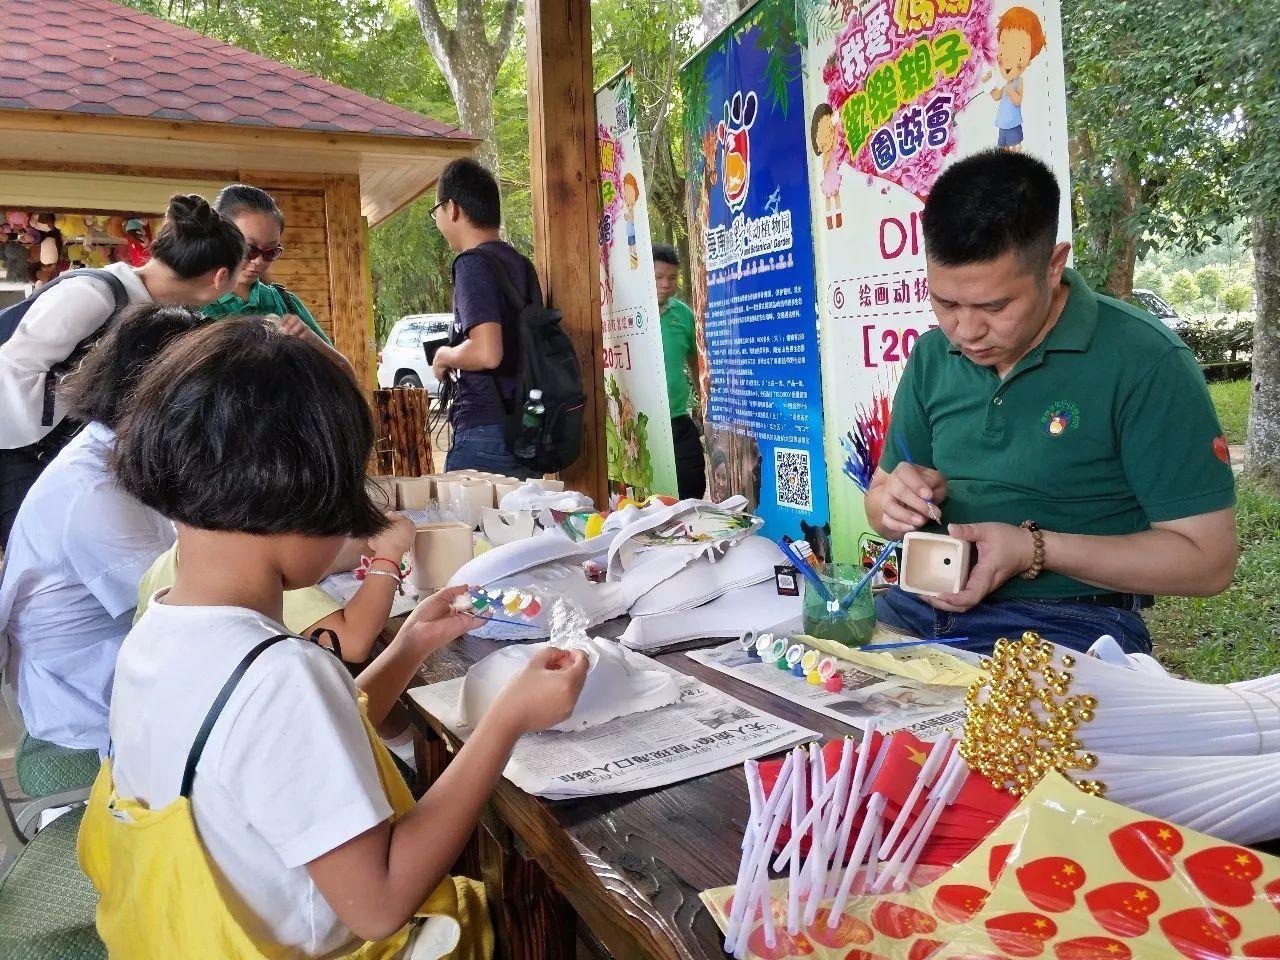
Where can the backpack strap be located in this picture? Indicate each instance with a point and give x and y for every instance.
(513, 297)
(114, 284)
(55, 373)
(288, 298)
(206, 728)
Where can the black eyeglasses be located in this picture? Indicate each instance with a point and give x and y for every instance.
(270, 255)
(439, 204)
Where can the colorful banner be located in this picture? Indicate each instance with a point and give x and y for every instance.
(752, 272)
(894, 91)
(638, 431)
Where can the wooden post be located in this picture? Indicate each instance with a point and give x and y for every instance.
(350, 288)
(565, 180)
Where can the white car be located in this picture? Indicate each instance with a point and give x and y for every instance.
(1159, 308)
(405, 360)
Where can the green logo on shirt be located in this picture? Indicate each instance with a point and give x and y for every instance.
(1060, 417)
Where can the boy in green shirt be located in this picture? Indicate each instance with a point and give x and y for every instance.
(1068, 436)
(680, 354)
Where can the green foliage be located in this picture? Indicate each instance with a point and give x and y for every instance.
(696, 98)
(1231, 400)
(818, 20)
(1149, 277)
(780, 38)
(654, 39)
(1182, 288)
(1236, 635)
(411, 267)
(1209, 281)
(1217, 340)
(1238, 297)
(1155, 124)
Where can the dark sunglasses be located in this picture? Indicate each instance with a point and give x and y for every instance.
(270, 256)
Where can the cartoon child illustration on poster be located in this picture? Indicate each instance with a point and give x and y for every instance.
(824, 138)
(1019, 40)
(630, 196)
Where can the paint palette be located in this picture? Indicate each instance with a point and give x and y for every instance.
(795, 658)
(496, 603)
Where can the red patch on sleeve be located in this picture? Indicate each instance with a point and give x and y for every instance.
(1221, 449)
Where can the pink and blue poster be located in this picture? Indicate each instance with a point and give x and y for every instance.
(895, 91)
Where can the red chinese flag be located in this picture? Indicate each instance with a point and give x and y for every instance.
(903, 764)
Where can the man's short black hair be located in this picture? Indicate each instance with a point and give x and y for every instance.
(241, 428)
(991, 203)
(99, 388)
(470, 185)
(666, 253)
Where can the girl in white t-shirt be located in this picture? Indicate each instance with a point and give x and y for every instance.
(246, 802)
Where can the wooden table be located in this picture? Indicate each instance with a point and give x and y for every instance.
(630, 866)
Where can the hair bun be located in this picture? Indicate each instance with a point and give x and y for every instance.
(191, 210)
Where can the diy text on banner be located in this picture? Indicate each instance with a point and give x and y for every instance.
(895, 92)
(751, 256)
(638, 432)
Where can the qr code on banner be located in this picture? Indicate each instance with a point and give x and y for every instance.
(791, 476)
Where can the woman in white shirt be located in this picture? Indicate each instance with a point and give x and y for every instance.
(80, 545)
(195, 260)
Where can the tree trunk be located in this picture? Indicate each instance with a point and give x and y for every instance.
(474, 97)
(470, 62)
(718, 14)
(1262, 452)
(1124, 242)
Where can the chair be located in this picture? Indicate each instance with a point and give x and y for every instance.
(46, 770)
(47, 904)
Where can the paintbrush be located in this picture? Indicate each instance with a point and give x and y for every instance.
(889, 547)
(797, 561)
(875, 647)
(906, 458)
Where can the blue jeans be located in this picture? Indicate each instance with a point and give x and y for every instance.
(1074, 625)
(484, 448)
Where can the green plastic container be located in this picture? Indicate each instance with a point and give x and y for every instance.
(852, 627)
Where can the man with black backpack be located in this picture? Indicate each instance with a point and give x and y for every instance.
(509, 377)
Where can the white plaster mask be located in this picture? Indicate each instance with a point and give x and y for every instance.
(618, 682)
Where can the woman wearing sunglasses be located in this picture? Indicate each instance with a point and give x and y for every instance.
(261, 221)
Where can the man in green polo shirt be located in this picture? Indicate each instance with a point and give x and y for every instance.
(1068, 436)
(680, 354)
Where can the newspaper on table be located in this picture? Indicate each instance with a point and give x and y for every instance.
(896, 703)
(705, 731)
(343, 586)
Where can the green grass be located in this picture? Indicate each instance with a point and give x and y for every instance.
(1231, 398)
(1235, 635)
